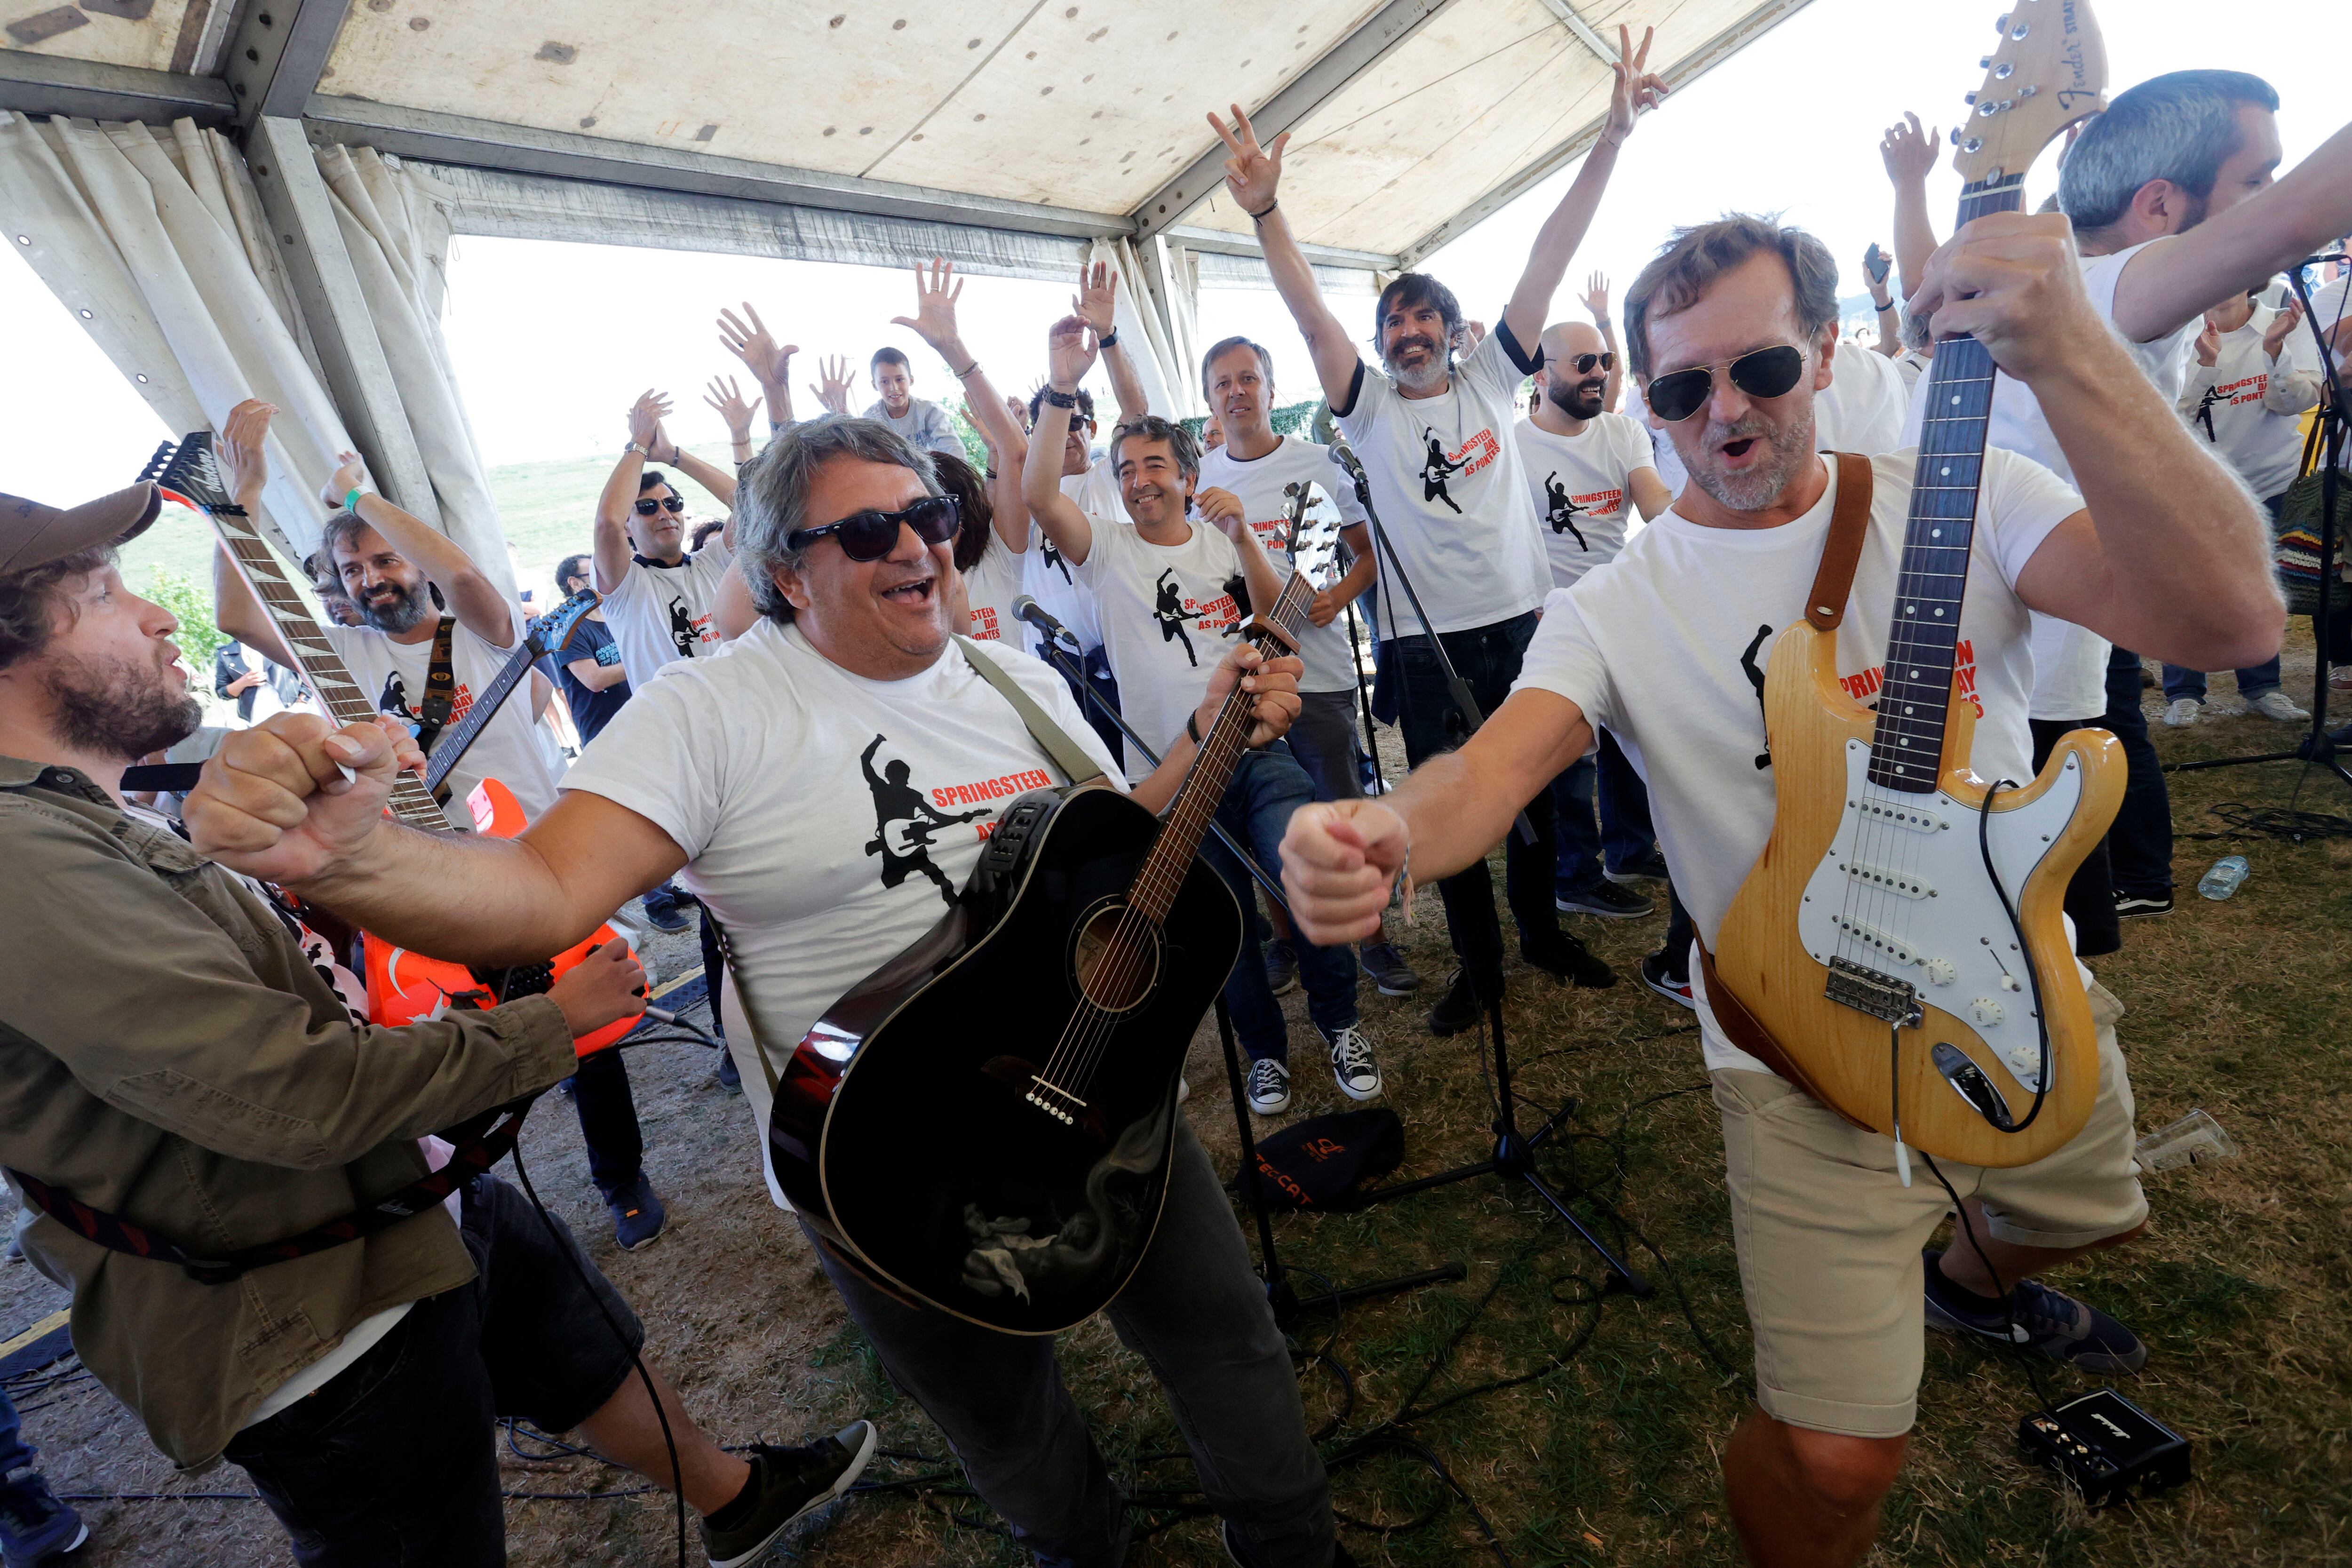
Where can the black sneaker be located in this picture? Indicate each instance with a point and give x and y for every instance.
(1459, 1009)
(1649, 867)
(1604, 898)
(1281, 967)
(730, 1076)
(1340, 1556)
(2140, 906)
(663, 912)
(787, 1485)
(1660, 977)
(1269, 1087)
(1388, 969)
(2048, 1320)
(35, 1527)
(1565, 957)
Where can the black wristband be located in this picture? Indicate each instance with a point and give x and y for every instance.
(1107, 339)
(1061, 399)
(1261, 216)
(1192, 727)
(1886, 307)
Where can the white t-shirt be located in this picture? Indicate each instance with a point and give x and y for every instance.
(989, 588)
(2070, 663)
(661, 614)
(924, 424)
(772, 768)
(2254, 407)
(1667, 646)
(1582, 490)
(1258, 484)
(507, 748)
(1445, 481)
(1166, 618)
(1862, 408)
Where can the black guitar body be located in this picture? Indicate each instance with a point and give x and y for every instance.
(970, 1125)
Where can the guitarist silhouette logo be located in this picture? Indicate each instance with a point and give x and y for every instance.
(1562, 508)
(1755, 673)
(1053, 556)
(393, 699)
(903, 824)
(1170, 612)
(681, 629)
(1433, 471)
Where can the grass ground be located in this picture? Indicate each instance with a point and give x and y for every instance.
(1608, 1452)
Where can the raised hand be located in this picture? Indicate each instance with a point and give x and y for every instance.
(645, 416)
(934, 319)
(728, 398)
(832, 389)
(1909, 151)
(350, 473)
(244, 468)
(1876, 265)
(1595, 299)
(1253, 172)
(2209, 344)
(1096, 301)
(1070, 350)
(1019, 410)
(2282, 326)
(769, 364)
(1223, 508)
(1636, 90)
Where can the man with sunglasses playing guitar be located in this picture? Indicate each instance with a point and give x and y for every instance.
(749, 777)
(1734, 327)
(657, 597)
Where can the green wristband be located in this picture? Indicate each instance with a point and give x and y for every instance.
(351, 501)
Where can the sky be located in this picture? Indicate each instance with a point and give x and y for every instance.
(553, 342)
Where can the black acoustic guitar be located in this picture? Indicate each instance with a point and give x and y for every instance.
(985, 1121)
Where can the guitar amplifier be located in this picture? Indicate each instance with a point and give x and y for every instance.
(2108, 1448)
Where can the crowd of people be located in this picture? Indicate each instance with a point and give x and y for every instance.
(791, 722)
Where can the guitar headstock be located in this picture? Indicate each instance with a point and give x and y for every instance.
(2049, 72)
(1314, 542)
(188, 473)
(551, 631)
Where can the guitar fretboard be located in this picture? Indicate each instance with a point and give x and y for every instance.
(1907, 746)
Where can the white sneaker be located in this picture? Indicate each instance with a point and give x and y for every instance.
(2182, 711)
(1352, 1067)
(1269, 1087)
(2276, 704)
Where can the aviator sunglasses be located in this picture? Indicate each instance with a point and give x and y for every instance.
(1583, 364)
(1767, 372)
(648, 505)
(868, 535)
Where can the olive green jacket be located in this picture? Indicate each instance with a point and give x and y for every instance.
(167, 1055)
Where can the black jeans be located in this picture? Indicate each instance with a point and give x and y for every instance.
(394, 1463)
(1487, 658)
(2139, 846)
(608, 1122)
(2091, 895)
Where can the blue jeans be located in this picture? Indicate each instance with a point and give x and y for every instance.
(1625, 834)
(15, 1454)
(608, 1123)
(2139, 844)
(1268, 787)
(2251, 683)
(1198, 1316)
(1487, 658)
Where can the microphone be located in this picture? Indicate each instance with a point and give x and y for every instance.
(1344, 456)
(1025, 608)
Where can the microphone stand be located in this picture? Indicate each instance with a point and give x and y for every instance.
(1364, 696)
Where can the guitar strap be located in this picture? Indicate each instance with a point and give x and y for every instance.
(1825, 608)
(440, 687)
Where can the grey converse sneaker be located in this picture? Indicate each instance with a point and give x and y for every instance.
(1358, 1075)
(1269, 1087)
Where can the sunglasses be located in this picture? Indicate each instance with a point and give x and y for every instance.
(1767, 372)
(869, 535)
(1583, 364)
(648, 505)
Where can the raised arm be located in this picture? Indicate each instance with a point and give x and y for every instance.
(770, 363)
(2172, 281)
(1876, 265)
(1635, 90)
(1071, 351)
(709, 475)
(2291, 388)
(245, 469)
(620, 497)
(1096, 304)
(1595, 300)
(985, 409)
(1909, 154)
(1252, 175)
(473, 598)
(724, 394)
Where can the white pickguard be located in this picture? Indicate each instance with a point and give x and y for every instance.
(1903, 891)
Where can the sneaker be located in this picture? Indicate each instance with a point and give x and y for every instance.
(2182, 711)
(787, 1485)
(1559, 955)
(730, 1076)
(35, 1527)
(637, 1214)
(1458, 1009)
(1281, 967)
(1359, 1076)
(1604, 898)
(1269, 1087)
(2138, 906)
(2048, 1320)
(2276, 704)
(2339, 678)
(1649, 867)
(661, 908)
(1388, 969)
(1660, 978)
(1340, 1556)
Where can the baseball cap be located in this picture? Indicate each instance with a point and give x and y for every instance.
(31, 534)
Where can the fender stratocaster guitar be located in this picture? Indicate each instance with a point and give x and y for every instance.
(985, 1121)
(402, 986)
(1899, 940)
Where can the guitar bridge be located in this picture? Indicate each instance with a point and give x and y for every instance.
(1867, 990)
(1056, 1101)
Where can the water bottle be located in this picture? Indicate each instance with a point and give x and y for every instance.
(2226, 876)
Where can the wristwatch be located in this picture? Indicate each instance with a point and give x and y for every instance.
(641, 451)
(1107, 339)
(1061, 399)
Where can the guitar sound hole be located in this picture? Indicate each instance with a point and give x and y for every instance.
(1116, 966)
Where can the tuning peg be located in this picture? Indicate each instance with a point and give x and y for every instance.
(1984, 63)
(1969, 99)
(1955, 135)
(2002, 24)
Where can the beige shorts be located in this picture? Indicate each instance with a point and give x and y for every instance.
(1830, 1240)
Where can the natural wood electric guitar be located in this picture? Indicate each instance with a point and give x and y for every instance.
(1898, 945)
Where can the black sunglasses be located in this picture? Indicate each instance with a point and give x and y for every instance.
(869, 535)
(1767, 372)
(1584, 363)
(648, 505)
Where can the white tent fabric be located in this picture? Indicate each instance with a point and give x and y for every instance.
(1157, 362)
(154, 239)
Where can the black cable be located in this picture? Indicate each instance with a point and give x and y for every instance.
(677, 1473)
(2009, 1294)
